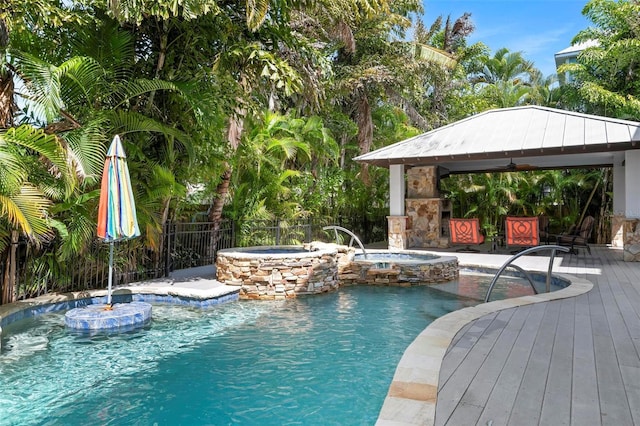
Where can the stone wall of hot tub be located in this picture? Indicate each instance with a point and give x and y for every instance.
(404, 274)
(262, 273)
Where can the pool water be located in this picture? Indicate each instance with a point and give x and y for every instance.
(474, 285)
(321, 360)
(395, 257)
(273, 250)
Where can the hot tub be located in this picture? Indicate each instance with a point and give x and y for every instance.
(278, 272)
(406, 268)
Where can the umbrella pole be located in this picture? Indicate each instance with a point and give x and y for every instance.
(110, 273)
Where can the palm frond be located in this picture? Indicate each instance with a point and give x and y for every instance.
(12, 170)
(123, 122)
(81, 77)
(26, 211)
(256, 13)
(131, 89)
(37, 140)
(86, 148)
(42, 83)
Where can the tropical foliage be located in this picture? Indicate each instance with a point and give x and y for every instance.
(254, 110)
(605, 78)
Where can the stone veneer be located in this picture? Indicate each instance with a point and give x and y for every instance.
(617, 230)
(422, 182)
(397, 232)
(425, 222)
(402, 274)
(631, 232)
(262, 273)
(427, 214)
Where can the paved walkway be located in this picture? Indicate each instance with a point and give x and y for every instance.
(571, 361)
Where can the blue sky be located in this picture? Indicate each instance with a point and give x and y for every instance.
(537, 28)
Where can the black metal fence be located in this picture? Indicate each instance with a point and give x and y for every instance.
(179, 246)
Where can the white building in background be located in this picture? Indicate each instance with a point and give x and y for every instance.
(569, 56)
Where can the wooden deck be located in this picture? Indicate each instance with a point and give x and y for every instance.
(573, 361)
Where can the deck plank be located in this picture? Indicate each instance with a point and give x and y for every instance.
(574, 361)
(503, 394)
(528, 404)
(556, 403)
(462, 343)
(450, 392)
(584, 391)
(479, 390)
(631, 378)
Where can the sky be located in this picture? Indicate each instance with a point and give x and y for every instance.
(537, 28)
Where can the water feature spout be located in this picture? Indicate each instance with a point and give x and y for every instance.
(346, 231)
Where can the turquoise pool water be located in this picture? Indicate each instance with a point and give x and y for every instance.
(395, 257)
(322, 360)
(474, 285)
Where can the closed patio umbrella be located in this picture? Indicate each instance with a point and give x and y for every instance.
(117, 219)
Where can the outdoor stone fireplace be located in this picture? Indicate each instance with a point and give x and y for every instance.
(426, 223)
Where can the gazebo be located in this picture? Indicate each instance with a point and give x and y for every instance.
(509, 139)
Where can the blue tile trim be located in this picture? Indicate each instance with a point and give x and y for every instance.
(31, 311)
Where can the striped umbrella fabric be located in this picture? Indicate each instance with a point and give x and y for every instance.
(117, 218)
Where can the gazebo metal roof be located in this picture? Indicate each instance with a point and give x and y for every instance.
(520, 138)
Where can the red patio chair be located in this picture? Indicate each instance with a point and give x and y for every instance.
(465, 231)
(522, 232)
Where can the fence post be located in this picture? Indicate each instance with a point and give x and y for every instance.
(167, 257)
(278, 232)
(233, 233)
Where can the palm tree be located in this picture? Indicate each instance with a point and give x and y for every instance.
(448, 95)
(263, 67)
(372, 66)
(29, 158)
(6, 79)
(504, 66)
(80, 105)
(505, 94)
(545, 90)
(606, 74)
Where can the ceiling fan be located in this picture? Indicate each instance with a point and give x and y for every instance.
(513, 167)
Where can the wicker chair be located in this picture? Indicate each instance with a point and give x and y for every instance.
(545, 236)
(578, 237)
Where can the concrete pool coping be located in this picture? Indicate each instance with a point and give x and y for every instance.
(411, 399)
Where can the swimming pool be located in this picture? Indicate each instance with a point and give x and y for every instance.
(326, 360)
(316, 360)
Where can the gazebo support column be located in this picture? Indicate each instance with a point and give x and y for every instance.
(619, 195)
(631, 227)
(396, 190)
(397, 221)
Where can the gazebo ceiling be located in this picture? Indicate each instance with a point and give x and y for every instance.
(521, 138)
